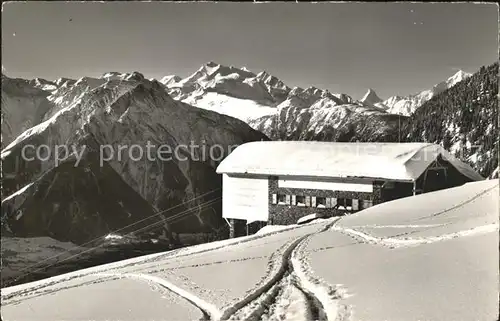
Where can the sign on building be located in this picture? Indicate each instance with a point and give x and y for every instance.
(245, 198)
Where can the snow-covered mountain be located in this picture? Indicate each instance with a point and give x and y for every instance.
(281, 112)
(241, 93)
(236, 92)
(44, 84)
(371, 98)
(315, 114)
(256, 98)
(170, 80)
(80, 201)
(327, 121)
(407, 105)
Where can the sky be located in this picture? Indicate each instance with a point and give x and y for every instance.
(394, 48)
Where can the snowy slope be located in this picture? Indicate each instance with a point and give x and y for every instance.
(429, 257)
(437, 260)
(243, 109)
(170, 80)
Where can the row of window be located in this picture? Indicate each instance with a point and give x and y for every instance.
(321, 202)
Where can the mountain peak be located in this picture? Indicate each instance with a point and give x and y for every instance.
(371, 97)
(263, 74)
(457, 77)
(115, 75)
(211, 64)
(171, 79)
(460, 72)
(111, 74)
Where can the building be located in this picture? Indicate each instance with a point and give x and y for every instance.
(277, 182)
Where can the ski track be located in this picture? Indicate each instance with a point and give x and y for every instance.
(168, 269)
(461, 204)
(288, 263)
(290, 304)
(322, 295)
(209, 311)
(394, 242)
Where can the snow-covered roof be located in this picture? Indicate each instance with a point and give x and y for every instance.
(390, 161)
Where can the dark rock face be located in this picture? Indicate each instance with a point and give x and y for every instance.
(77, 204)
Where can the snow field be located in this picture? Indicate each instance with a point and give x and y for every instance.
(413, 210)
(105, 300)
(412, 283)
(243, 109)
(405, 265)
(401, 271)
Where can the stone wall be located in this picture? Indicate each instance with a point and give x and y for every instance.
(286, 214)
(377, 192)
(237, 228)
(289, 214)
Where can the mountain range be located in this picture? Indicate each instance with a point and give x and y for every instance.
(262, 100)
(267, 104)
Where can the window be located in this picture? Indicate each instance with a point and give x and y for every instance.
(300, 200)
(281, 199)
(321, 202)
(344, 203)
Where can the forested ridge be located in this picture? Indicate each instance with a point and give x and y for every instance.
(464, 119)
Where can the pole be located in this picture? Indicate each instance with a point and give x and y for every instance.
(231, 228)
(414, 187)
(399, 128)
